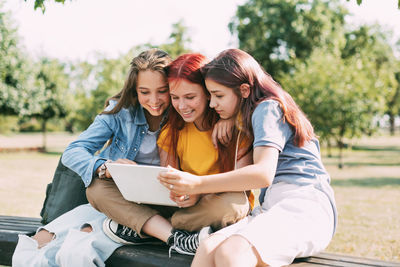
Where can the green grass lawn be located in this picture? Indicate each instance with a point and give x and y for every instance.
(367, 191)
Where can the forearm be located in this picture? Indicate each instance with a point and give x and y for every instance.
(258, 175)
(246, 178)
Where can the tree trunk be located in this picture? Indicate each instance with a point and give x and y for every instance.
(340, 145)
(329, 148)
(44, 135)
(391, 122)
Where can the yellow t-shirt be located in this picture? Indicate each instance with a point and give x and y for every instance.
(196, 153)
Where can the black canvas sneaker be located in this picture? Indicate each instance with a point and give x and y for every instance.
(185, 242)
(125, 235)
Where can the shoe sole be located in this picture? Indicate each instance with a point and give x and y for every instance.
(113, 237)
(183, 252)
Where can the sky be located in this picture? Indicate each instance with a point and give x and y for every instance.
(80, 29)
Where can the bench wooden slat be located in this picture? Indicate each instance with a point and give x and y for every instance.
(148, 256)
(155, 256)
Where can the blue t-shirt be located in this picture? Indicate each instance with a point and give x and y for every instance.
(296, 165)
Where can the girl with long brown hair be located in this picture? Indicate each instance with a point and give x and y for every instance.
(297, 215)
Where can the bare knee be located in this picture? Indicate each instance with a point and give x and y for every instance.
(86, 228)
(223, 255)
(206, 247)
(205, 253)
(243, 253)
(43, 237)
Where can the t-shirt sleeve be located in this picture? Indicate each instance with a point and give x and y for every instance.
(269, 126)
(163, 140)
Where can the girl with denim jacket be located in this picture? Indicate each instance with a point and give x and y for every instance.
(132, 118)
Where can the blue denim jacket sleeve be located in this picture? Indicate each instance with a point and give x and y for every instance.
(80, 156)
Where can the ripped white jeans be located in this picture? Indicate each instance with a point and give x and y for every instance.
(70, 246)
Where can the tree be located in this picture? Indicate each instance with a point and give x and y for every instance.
(48, 100)
(339, 96)
(393, 104)
(277, 32)
(372, 43)
(178, 40)
(106, 77)
(92, 84)
(14, 69)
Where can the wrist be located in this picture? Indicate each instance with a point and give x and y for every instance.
(200, 185)
(102, 170)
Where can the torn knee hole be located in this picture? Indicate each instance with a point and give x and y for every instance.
(86, 228)
(43, 237)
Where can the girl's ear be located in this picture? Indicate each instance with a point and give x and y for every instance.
(244, 90)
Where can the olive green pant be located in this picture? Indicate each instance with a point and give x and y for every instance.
(215, 210)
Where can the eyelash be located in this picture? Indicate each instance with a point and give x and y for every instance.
(161, 92)
(188, 97)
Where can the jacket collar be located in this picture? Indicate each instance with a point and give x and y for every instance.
(138, 115)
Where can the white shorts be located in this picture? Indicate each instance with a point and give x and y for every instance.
(294, 221)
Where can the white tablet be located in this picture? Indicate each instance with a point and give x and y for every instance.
(139, 183)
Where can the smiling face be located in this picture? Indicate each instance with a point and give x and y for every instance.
(152, 91)
(223, 99)
(189, 100)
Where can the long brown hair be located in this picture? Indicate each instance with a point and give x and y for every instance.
(234, 67)
(187, 67)
(153, 59)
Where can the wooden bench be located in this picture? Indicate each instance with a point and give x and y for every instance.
(151, 256)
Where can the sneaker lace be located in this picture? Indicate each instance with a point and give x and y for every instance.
(188, 242)
(128, 231)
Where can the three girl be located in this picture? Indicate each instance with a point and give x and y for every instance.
(297, 216)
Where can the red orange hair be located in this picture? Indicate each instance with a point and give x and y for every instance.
(187, 67)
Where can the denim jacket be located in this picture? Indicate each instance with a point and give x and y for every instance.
(127, 129)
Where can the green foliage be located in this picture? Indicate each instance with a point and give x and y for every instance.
(277, 32)
(105, 78)
(8, 124)
(92, 85)
(51, 84)
(40, 4)
(371, 43)
(339, 101)
(179, 40)
(14, 69)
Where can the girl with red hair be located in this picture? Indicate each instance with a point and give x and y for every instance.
(297, 216)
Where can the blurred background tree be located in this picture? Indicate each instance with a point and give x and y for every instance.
(14, 69)
(277, 32)
(48, 99)
(346, 78)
